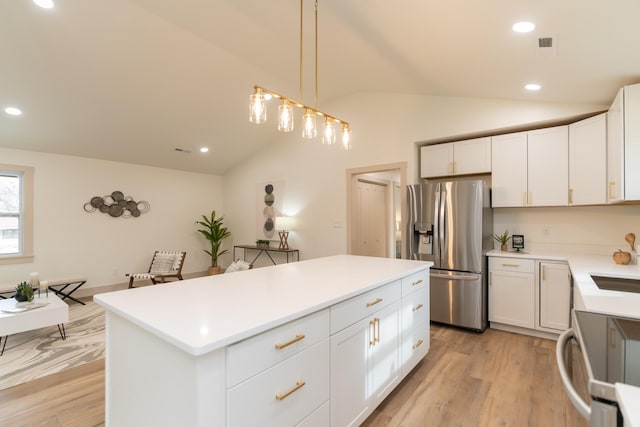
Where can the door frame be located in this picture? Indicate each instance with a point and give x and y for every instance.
(352, 174)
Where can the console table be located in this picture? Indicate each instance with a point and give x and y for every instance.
(292, 254)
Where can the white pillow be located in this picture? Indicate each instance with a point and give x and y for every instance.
(238, 265)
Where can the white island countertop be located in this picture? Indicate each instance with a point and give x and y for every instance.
(207, 313)
(592, 298)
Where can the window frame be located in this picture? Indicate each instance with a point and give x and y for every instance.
(25, 173)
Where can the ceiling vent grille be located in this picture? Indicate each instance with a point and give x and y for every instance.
(183, 150)
(546, 46)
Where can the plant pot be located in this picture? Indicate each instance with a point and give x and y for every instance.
(503, 248)
(21, 297)
(214, 270)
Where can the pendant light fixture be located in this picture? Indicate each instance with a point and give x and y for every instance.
(258, 107)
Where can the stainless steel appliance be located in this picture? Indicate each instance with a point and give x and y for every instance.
(598, 351)
(450, 223)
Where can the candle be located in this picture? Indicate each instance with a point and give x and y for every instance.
(34, 279)
(44, 285)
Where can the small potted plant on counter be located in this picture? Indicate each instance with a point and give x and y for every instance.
(24, 292)
(502, 239)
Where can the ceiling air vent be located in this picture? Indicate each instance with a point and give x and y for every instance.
(183, 150)
(546, 46)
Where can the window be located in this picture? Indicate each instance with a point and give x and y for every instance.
(16, 214)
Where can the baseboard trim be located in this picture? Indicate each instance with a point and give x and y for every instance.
(524, 331)
(94, 290)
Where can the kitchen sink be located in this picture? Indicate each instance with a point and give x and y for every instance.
(617, 284)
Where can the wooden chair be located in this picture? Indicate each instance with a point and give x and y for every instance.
(164, 265)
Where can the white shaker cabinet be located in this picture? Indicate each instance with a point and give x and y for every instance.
(623, 145)
(548, 166)
(512, 292)
(587, 168)
(466, 157)
(530, 168)
(509, 170)
(554, 295)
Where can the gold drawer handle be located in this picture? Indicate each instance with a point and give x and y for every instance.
(288, 343)
(417, 307)
(418, 344)
(298, 386)
(369, 304)
(417, 282)
(511, 265)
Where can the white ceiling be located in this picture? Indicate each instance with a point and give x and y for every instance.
(131, 80)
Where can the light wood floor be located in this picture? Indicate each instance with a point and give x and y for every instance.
(467, 379)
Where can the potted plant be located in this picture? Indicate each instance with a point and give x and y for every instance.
(213, 230)
(502, 239)
(261, 243)
(24, 292)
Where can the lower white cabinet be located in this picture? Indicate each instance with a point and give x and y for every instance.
(511, 292)
(529, 294)
(415, 329)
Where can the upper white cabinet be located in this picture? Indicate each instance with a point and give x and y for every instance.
(587, 168)
(531, 168)
(623, 146)
(456, 158)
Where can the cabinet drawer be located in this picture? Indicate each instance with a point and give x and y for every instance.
(415, 282)
(348, 312)
(253, 355)
(284, 394)
(321, 417)
(415, 329)
(511, 264)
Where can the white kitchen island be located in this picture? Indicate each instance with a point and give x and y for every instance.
(266, 346)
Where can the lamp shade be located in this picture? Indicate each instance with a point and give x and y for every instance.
(285, 223)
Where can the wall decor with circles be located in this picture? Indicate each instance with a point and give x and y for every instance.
(269, 206)
(117, 205)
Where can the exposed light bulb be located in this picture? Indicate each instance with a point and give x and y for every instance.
(346, 138)
(309, 129)
(328, 132)
(257, 107)
(204, 150)
(285, 117)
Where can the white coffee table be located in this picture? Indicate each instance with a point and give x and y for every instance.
(55, 312)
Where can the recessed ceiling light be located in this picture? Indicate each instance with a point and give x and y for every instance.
(533, 87)
(204, 150)
(13, 111)
(523, 27)
(45, 4)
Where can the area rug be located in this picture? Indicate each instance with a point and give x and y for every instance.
(41, 352)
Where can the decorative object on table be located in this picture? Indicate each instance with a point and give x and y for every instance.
(621, 257)
(164, 265)
(24, 292)
(261, 243)
(214, 231)
(268, 206)
(284, 224)
(502, 239)
(44, 286)
(517, 242)
(117, 205)
(34, 281)
(630, 238)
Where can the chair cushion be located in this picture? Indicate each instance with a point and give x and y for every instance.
(163, 263)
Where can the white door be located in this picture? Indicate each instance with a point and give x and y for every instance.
(512, 298)
(615, 149)
(436, 160)
(555, 295)
(472, 156)
(548, 166)
(509, 170)
(587, 167)
(370, 218)
(385, 357)
(350, 396)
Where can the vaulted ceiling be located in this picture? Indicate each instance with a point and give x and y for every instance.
(131, 80)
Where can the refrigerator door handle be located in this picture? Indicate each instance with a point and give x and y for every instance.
(454, 276)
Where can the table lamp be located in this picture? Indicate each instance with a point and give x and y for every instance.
(284, 224)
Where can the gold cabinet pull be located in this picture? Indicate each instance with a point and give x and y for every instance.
(377, 329)
(417, 282)
(298, 386)
(543, 275)
(418, 344)
(417, 307)
(450, 167)
(571, 196)
(524, 198)
(372, 332)
(288, 343)
(612, 188)
(511, 265)
(372, 303)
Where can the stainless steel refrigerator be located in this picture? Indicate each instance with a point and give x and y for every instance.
(451, 223)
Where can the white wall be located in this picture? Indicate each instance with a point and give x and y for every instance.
(385, 129)
(70, 241)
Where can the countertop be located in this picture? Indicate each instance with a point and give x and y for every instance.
(628, 398)
(588, 296)
(207, 313)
